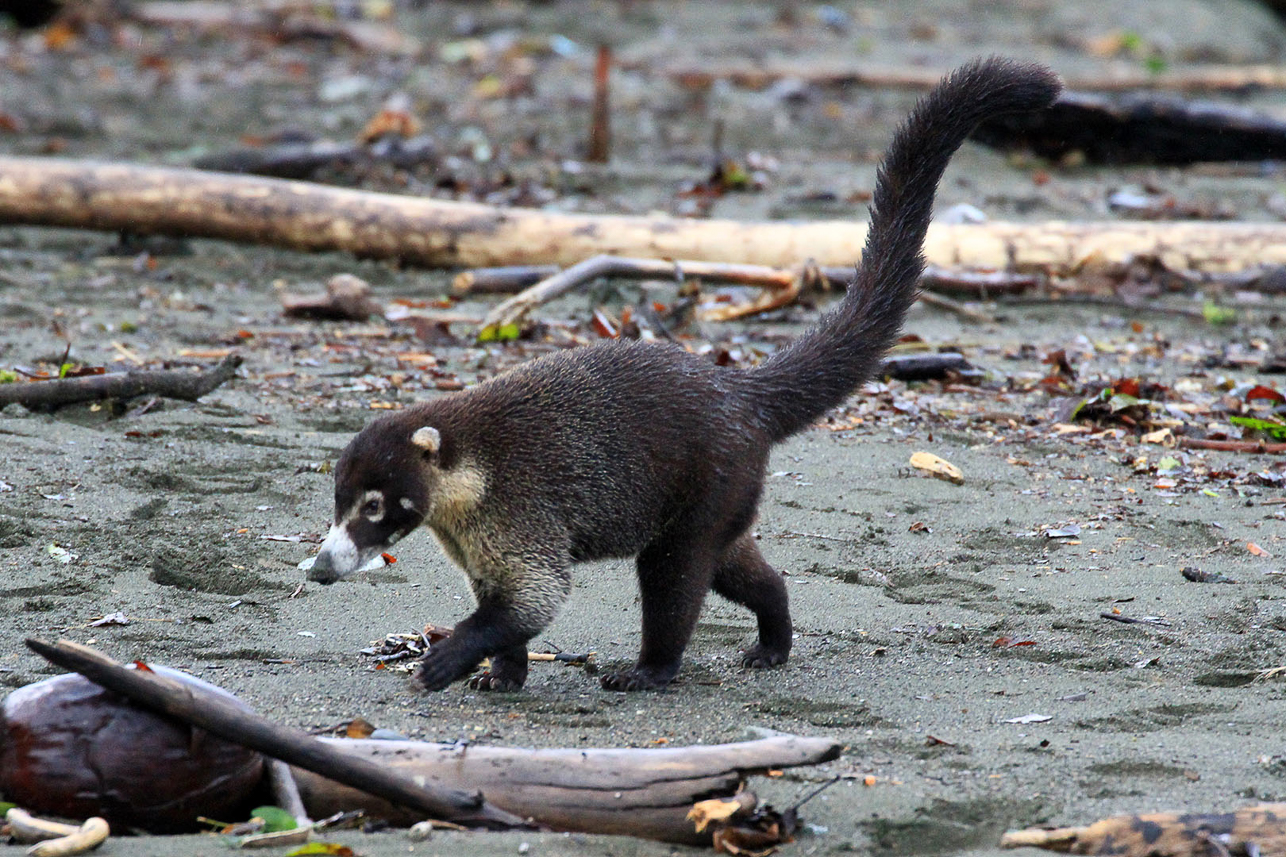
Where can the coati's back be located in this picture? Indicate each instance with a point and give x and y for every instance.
(609, 440)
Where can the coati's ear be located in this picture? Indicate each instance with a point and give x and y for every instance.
(427, 439)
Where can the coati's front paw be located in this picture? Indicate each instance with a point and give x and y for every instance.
(760, 657)
(438, 669)
(638, 678)
(489, 680)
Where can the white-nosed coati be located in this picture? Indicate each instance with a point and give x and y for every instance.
(625, 449)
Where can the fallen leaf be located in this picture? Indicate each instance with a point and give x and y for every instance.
(322, 848)
(716, 809)
(1160, 436)
(275, 819)
(358, 728)
(1257, 550)
(937, 467)
(1259, 391)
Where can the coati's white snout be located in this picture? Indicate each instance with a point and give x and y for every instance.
(340, 557)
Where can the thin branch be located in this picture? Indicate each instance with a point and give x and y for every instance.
(170, 383)
(1256, 446)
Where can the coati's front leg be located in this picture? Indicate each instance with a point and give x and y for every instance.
(674, 576)
(518, 596)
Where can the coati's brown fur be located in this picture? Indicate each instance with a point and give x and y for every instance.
(627, 448)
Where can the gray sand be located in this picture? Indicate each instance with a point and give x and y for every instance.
(166, 512)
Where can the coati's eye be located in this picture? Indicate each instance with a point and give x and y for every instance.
(372, 507)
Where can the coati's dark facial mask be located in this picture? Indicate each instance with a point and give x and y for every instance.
(364, 530)
(374, 507)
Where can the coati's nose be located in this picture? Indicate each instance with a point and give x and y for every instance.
(338, 557)
(323, 569)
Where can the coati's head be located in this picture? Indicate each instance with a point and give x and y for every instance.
(383, 487)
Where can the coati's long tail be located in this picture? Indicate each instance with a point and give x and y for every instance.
(821, 368)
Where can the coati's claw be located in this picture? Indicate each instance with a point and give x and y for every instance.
(632, 680)
(488, 680)
(759, 657)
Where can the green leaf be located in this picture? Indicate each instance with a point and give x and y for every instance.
(1120, 402)
(1166, 464)
(63, 370)
(275, 819)
(5, 806)
(8, 376)
(499, 333)
(1215, 314)
(1155, 64)
(321, 848)
(1272, 428)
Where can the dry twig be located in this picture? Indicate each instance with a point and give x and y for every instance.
(170, 383)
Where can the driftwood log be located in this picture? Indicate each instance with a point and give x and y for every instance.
(435, 233)
(1250, 830)
(1140, 128)
(1118, 78)
(170, 383)
(231, 722)
(645, 793)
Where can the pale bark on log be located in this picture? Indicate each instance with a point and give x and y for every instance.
(435, 233)
(645, 793)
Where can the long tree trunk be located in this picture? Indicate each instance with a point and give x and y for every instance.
(302, 216)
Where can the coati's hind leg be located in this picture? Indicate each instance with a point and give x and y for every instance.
(745, 577)
(674, 575)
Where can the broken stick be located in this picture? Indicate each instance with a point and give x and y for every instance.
(782, 286)
(227, 720)
(1255, 446)
(511, 279)
(516, 308)
(170, 383)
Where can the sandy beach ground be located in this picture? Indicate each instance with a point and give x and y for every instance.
(166, 516)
